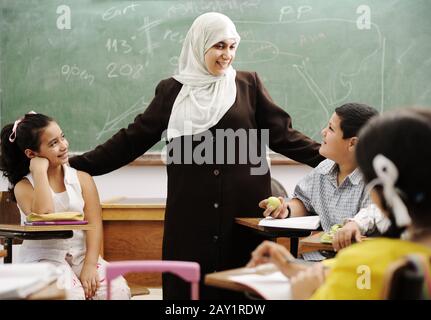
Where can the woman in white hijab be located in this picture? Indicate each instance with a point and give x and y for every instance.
(207, 75)
(205, 97)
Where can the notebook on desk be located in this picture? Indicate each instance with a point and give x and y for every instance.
(305, 223)
(272, 285)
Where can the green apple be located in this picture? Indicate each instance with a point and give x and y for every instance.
(274, 202)
(335, 228)
(326, 238)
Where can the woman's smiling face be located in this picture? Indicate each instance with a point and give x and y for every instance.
(219, 57)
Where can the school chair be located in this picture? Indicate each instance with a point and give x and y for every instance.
(277, 189)
(188, 271)
(408, 278)
(9, 212)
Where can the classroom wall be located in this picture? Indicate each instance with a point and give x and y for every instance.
(150, 181)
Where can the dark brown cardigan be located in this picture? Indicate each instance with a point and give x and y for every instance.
(203, 200)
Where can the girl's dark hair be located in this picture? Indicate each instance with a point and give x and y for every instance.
(13, 161)
(403, 136)
(353, 116)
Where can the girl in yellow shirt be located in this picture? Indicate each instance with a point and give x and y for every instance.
(393, 155)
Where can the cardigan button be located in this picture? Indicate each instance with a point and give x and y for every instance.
(216, 205)
(216, 172)
(215, 238)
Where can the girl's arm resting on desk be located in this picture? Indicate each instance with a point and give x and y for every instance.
(93, 214)
(24, 195)
(37, 199)
(42, 197)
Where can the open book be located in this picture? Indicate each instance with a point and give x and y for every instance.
(270, 285)
(305, 223)
(17, 281)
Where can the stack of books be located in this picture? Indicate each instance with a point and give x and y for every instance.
(57, 218)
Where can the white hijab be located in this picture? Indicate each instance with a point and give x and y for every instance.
(204, 98)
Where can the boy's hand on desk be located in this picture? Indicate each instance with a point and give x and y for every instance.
(278, 213)
(344, 236)
(89, 280)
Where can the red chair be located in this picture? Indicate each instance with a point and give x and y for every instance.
(188, 271)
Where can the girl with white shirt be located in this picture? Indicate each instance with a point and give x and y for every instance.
(34, 158)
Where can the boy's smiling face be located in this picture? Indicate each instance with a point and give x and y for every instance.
(334, 146)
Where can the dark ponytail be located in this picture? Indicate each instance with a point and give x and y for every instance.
(13, 161)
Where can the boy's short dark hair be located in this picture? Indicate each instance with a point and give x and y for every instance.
(353, 116)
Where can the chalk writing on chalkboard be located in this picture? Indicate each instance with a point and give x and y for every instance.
(94, 65)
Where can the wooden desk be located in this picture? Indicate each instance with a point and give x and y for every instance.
(273, 233)
(14, 231)
(220, 280)
(133, 230)
(260, 287)
(312, 243)
(33, 230)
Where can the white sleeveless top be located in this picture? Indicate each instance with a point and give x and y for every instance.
(57, 249)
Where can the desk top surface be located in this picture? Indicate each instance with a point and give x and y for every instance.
(21, 228)
(136, 202)
(221, 280)
(314, 242)
(253, 223)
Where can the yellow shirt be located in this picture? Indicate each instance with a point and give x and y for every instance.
(348, 278)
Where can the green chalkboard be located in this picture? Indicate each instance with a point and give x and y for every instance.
(97, 70)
